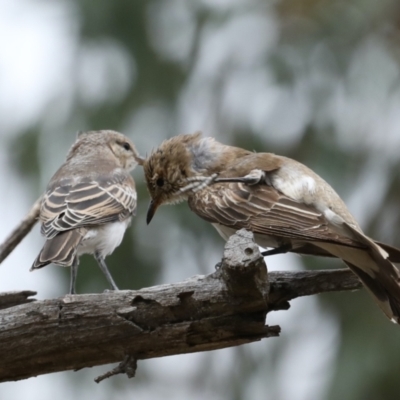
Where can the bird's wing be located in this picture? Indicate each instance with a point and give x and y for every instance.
(264, 210)
(72, 205)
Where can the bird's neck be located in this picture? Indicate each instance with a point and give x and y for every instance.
(210, 156)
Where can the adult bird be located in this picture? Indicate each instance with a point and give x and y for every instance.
(89, 202)
(286, 205)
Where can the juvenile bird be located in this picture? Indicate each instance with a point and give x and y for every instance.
(89, 202)
(286, 205)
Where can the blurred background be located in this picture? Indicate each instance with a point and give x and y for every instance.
(315, 80)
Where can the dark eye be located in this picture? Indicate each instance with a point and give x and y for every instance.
(126, 146)
(160, 182)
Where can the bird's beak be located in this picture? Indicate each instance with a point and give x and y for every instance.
(151, 211)
(139, 159)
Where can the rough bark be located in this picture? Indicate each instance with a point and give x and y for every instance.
(11, 299)
(223, 309)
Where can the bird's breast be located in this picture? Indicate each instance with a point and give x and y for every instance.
(103, 239)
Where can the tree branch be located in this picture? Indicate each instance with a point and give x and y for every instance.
(20, 231)
(11, 299)
(223, 309)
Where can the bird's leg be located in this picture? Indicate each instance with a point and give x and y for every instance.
(253, 178)
(103, 266)
(74, 273)
(278, 250)
(198, 183)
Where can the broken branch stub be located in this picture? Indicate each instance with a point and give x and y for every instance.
(243, 269)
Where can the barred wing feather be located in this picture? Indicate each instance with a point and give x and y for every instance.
(71, 205)
(265, 211)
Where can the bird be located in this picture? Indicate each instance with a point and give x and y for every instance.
(286, 205)
(89, 202)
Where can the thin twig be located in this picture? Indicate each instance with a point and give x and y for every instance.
(127, 366)
(20, 231)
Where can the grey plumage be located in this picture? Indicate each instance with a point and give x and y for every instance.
(89, 201)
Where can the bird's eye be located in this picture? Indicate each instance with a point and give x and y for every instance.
(160, 182)
(126, 146)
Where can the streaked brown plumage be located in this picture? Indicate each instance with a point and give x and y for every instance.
(286, 205)
(89, 202)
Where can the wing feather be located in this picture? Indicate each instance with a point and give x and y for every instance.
(72, 205)
(265, 211)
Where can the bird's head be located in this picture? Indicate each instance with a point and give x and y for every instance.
(183, 165)
(124, 151)
(168, 170)
(105, 144)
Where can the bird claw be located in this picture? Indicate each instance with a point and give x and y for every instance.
(255, 176)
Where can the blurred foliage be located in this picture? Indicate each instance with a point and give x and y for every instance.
(296, 86)
(24, 154)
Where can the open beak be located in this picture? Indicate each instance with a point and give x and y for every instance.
(151, 211)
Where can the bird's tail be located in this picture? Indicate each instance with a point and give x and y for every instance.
(60, 249)
(384, 285)
(394, 253)
(378, 274)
